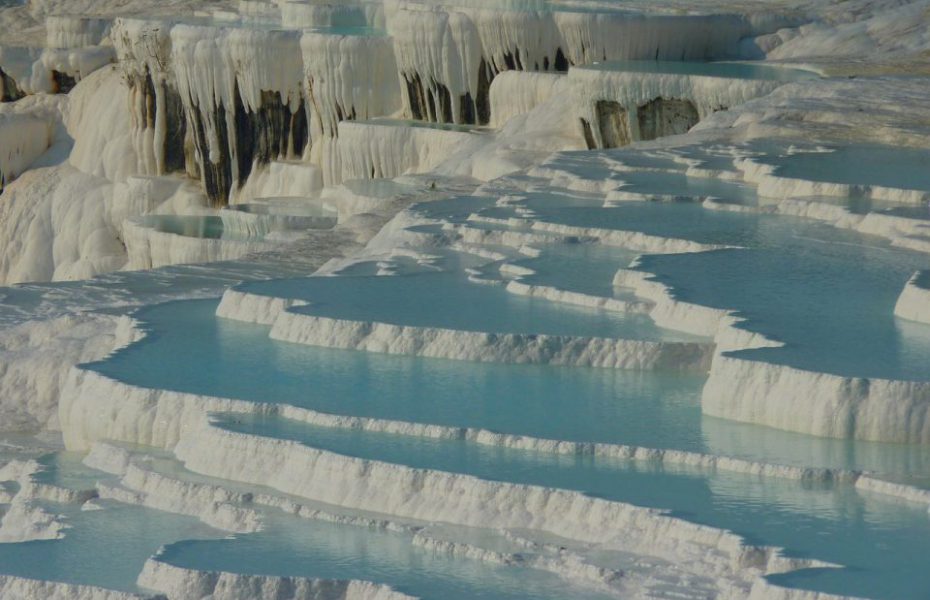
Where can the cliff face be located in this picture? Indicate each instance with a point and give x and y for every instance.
(220, 99)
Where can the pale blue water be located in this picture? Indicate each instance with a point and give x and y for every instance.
(920, 212)
(213, 227)
(828, 293)
(187, 226)
(713, 157)
(294, 547)
(891, 166)
(66, 469)
(831, 323)
(576, 161)
(104, 548)
(584, 268)
(188, 349)
(352, 26)
(109, 547)
(860, 205)
(213, 356)
(678, 184)
(454, 210)
(830, 523)
(377, 188)
(276, 214)
(286, 206)
(446, 299)
(680, 220)
(727, 70)
(582, 164)
(350, 21)
(406, 123)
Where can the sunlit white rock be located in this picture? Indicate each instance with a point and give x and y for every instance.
(914, 302)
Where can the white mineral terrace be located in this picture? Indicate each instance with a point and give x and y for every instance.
(465, 300)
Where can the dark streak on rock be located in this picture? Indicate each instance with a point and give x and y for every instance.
(62, 83)
(9, 90)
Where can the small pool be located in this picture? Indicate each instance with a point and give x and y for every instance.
(409, 123)
(105, 548)
(304, 548)
(583, 268)
(207, 355)
(286, 206)
(885, 166)
(448, 299)
(685, 187)
(268, 215)
(726, 70)
(244, 222)
(204, 227)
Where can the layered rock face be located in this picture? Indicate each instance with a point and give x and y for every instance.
(205, 97)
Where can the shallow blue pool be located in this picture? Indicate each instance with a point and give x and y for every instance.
(294, 547)
(890, 166)
(679, 184)
(207, 227)
(105, 548)
(831, 523)
(188, 349)
(726, 70)
(447, 299)
(831, 302)
(828, 293)
(108, 548)
(583, 268)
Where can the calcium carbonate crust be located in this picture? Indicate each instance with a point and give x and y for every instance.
(21, 588)
(178, 583)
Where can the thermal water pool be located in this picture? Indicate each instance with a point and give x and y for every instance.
(206, 227)
(867, 165)
(104, 548)
(829, 294)
(295, 547)
(584, 268)
(727, 70)
(446, 298)
(107, 547)
(770, 511)
(189, 349)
